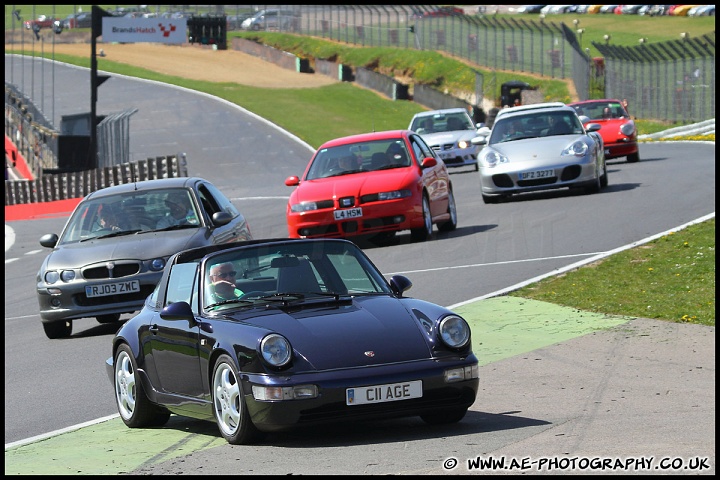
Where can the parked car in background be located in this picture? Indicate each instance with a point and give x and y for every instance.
(449, 133)
(617, 129)
(79, 20)
(682, 10)
(372, 184)
(111, 252)
(527, 9)
(540, 147)
(42, 21)
(317, 335)
(272, 19)
(234, 22)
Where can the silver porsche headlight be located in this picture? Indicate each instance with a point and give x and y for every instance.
(275, 350)
(454, 331)
(577, 148)
(493, 158)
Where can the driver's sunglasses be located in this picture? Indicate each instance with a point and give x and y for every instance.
(226, 274)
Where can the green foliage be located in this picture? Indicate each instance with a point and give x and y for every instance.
(671, 278)
(423, 67)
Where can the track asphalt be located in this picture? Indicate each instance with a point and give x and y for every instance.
(587, 372)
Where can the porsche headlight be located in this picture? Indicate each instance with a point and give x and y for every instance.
(578, 149)
(275, 350)
(303, 207)
(454, 331)
(394, 194)
(492, 158)
(628, 128)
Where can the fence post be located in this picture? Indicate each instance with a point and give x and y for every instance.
(394, 38)
(472, 42)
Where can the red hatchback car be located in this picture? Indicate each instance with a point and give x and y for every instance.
(374, 185)
(617, 129)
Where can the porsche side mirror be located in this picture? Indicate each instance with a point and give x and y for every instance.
(400, 284)
(178, 311)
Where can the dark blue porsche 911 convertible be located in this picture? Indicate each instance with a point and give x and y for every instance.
(264, 335)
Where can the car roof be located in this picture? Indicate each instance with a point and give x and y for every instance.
(367, 137)
(195, 254)
(596, 100)
(523, 109)
(443, 111)
(178, 182)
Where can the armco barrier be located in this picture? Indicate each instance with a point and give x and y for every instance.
(64, 186)
(435, 100)
(271, 54)
(384, 84)
(334, 70)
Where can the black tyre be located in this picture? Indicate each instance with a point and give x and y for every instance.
(62, 329)
(134, 407)
(604, 178)
(490, 199)
(595, 186)
(444, 418)
(451, 224)
(111, 318)
(633, 157)
(231, 413)
(423, 233)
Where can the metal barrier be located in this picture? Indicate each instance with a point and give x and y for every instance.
(64, 186)
(671, 80)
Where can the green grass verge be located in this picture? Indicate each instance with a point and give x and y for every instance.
(671, 278)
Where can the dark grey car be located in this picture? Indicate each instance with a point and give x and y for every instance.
(113, 248)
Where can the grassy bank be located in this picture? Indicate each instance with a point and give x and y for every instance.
(671, 278)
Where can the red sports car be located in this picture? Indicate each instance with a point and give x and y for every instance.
(617, 129)
(374, 185)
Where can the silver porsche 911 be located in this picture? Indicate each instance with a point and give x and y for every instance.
(540, 147)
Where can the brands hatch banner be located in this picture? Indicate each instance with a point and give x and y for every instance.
(138, 30)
